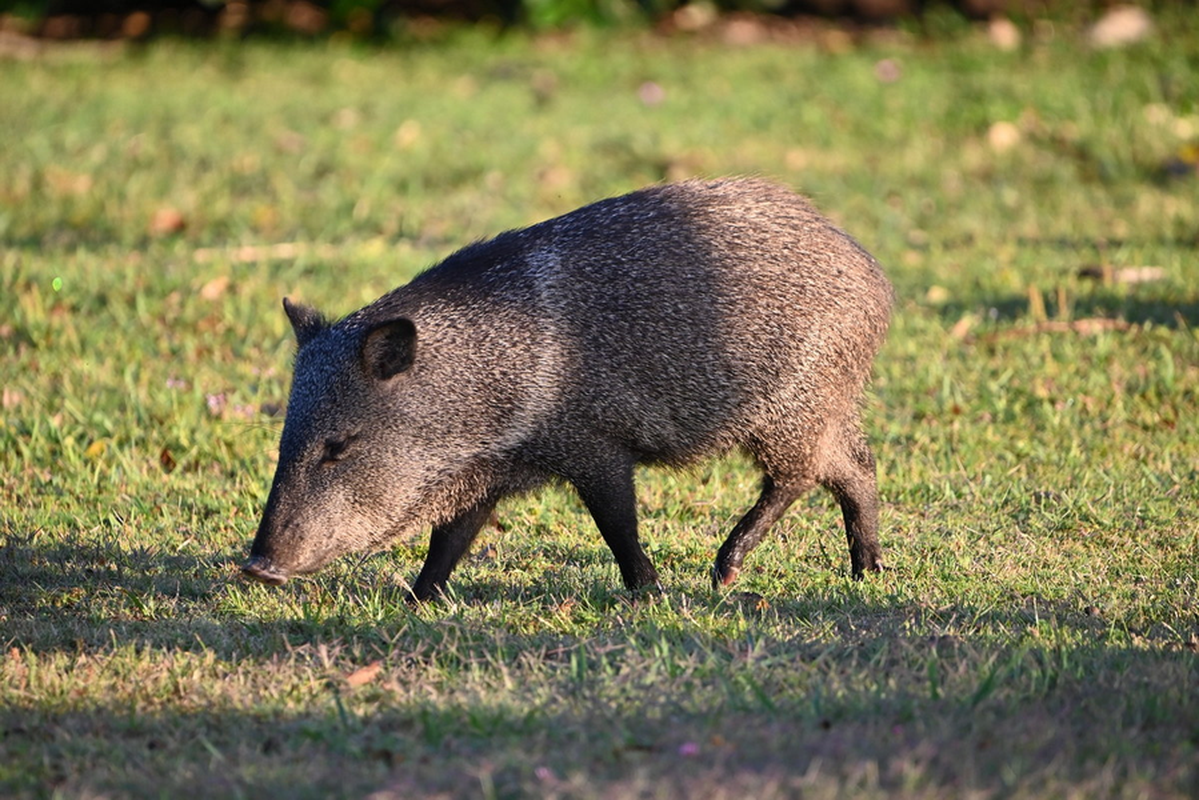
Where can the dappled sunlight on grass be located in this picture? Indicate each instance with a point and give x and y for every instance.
(1033, 414)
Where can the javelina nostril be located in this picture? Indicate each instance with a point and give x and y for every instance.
(260, 569)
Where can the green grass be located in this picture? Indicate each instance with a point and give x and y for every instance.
(1036, 636)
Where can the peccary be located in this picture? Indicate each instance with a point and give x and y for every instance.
(672, 323)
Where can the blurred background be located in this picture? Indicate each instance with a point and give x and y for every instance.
(395, 18)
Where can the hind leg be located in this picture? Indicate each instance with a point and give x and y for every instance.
(774, 501)
(850, 476)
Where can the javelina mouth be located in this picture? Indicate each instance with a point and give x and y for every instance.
(260, 569)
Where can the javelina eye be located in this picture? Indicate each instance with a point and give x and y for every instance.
(336, 447)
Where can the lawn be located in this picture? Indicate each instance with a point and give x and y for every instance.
(1035, 416)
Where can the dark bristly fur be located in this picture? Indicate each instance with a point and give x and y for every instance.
(663, 326)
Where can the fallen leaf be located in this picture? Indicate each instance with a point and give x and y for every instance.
(1121, 26)
(166, 461)
(961, 328)
(1003, 34)
(937, 295)
(96, 449)
(364, 675)
(214, 288)
(565, 606)
(167, 220)
(1110, 274)
(1003, 136)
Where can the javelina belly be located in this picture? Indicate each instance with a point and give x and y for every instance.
(669, 324)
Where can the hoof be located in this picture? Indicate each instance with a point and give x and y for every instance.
(876, 567)
(723, 578)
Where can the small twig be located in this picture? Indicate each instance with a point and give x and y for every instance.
(1083, 327)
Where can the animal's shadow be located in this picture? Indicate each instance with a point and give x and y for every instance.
(1093, 292)
(98, 595)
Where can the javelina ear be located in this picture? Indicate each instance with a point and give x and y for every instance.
(389, 348)
(306, 321)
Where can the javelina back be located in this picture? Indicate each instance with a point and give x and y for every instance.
(669, 324)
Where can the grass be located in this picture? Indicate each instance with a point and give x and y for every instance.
(1036, 636)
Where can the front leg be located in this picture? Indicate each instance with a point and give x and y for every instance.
(611, 499)
(447, 544)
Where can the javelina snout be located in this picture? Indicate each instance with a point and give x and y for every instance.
(260, 569)
(667, 325)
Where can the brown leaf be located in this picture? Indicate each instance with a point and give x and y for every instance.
(167, 461)
(1121, 26)
(565, 606)
(1003, 34)
(214, 288)
(1003, 136)
(167, 220)
(1109, 274)
(961, 328)
(364, 675)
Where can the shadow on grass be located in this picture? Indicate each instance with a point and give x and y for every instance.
(1142, 308)
(55, 597)
(1137, 304)
(1070, 738)
(659, 706)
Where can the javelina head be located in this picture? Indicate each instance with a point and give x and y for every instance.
(349, 468)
